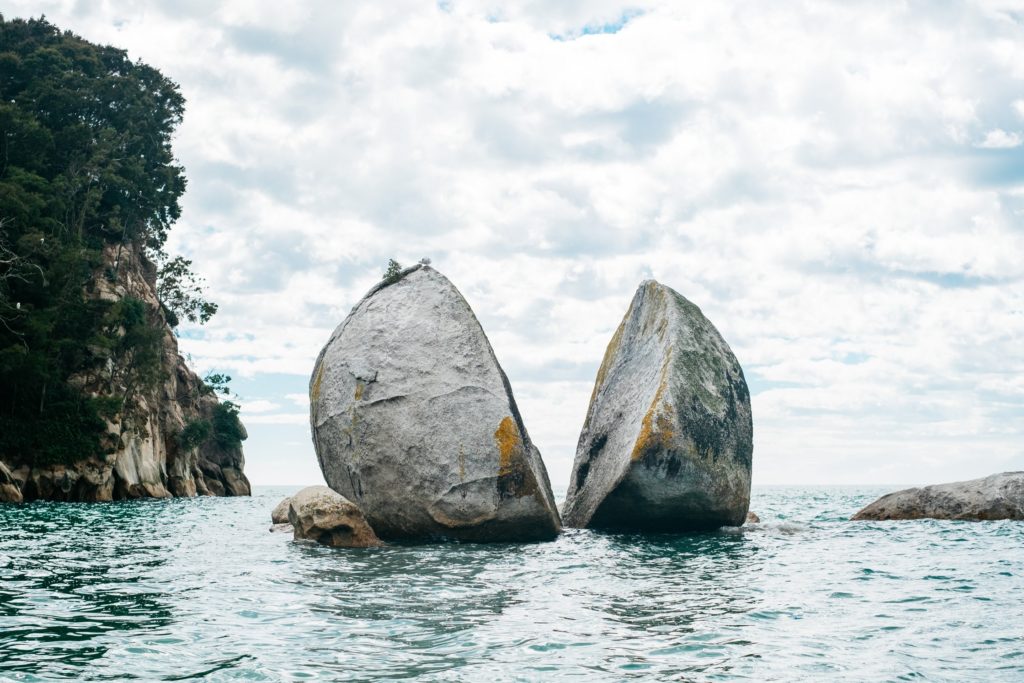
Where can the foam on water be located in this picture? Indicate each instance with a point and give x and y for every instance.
(179, 589)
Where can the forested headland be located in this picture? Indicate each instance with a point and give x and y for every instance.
(89, 190)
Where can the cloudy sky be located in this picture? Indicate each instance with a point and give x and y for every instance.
(838, 185)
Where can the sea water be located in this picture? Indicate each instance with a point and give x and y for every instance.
(197, 588)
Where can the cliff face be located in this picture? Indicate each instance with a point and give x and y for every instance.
(146, 456)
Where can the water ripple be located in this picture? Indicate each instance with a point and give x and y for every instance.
(189, 589)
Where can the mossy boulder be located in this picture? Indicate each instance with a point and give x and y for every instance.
(668, 439)
(414, 420)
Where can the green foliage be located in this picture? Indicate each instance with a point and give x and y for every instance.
(68, 430)
(108, 407)
(228, 432)
(87, 138)
(194, 434)
(170, 316)
(137, 347)
(393, 273)
(216, 383)
(181, 293)
(85, 164)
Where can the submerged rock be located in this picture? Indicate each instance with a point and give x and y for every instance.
(414, 420)
(319, 514)
(668, 439)
(999, 496)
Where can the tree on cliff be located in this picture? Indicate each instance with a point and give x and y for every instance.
(85, 165)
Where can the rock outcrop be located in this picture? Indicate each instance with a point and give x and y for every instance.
(145, 456)
(999, 496)
(752, 518)
(414, 420)
(668, 439)
(319, 514)
(10, 492)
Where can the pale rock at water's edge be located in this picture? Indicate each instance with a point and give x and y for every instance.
(319, 514)
(414, 420)
(999, 496)
(279, 515)
(668, 439)
(10, 492)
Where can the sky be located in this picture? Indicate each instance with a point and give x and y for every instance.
(838, 185)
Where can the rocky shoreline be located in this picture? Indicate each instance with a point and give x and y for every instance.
(145, 454)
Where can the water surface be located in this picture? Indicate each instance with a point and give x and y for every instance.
(198, 589)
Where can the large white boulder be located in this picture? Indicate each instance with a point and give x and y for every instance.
(414, 420)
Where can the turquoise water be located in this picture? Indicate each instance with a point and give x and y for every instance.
(183, 589)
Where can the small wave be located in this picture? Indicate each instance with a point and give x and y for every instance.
(784, 528)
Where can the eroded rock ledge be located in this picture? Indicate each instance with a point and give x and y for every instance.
(999, 496)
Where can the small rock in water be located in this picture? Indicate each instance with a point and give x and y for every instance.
(319, 514)
(414, 420)
(280, 513)
(999, 496)
(752, 518)
(668, 439)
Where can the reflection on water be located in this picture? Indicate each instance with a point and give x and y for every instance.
(186, 589)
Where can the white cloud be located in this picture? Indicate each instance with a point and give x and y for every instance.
(805, 172)
(258, 406)
(278, 419)
(1000, 139)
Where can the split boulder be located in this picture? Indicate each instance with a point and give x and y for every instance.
(668, 439)
(414, 420)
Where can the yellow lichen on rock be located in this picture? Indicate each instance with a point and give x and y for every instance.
(359, 390)
(651, 436)
(609, 355)
(314, 393)
(509, 442)
(656, 427)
